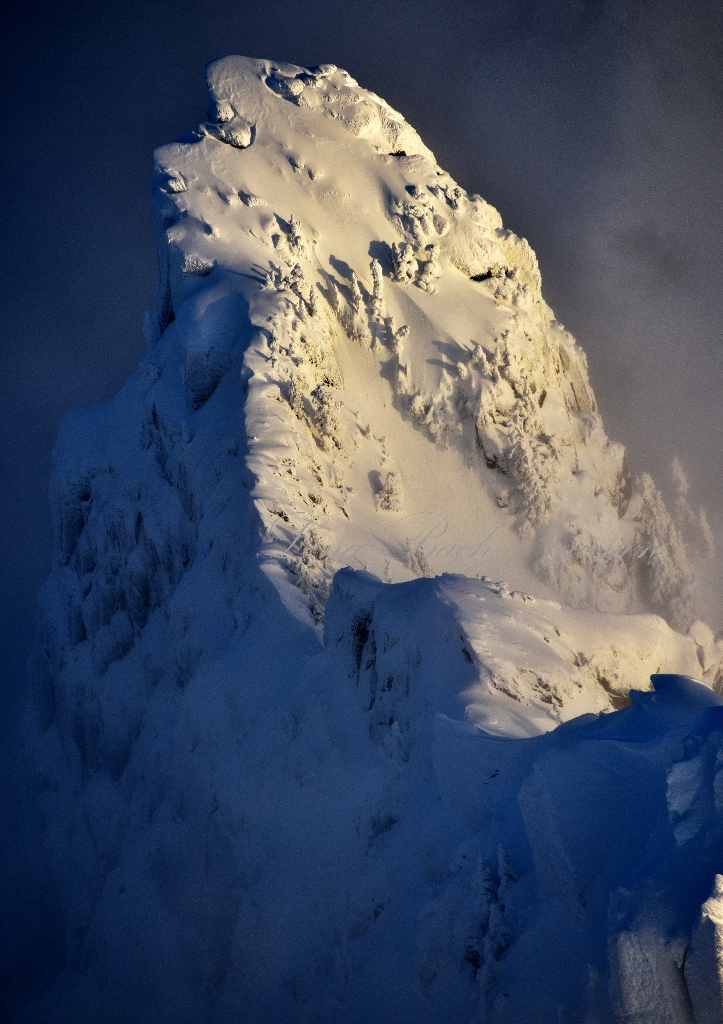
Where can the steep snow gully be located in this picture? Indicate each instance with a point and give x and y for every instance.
(340, 703)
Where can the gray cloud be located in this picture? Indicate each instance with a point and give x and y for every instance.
(656, 253)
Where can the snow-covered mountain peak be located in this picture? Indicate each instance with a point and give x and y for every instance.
(326, 89)
(410, 394)
(277, 786)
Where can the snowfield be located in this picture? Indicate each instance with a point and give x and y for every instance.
(341, 705)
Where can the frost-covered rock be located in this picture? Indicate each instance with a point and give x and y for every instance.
(704, 959)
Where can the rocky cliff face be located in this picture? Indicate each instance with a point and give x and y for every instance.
(257, 793)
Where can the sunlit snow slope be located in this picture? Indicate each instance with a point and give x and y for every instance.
(382, 308)
(330, 712)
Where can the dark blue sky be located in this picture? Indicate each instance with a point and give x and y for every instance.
(595, 127)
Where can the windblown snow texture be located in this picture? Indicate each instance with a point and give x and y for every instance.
(301, 755)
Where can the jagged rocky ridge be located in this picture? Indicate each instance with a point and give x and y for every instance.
(262, 797)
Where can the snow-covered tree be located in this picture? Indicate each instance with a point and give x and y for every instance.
(496, 937)
(296, 394)
(377, 302)
(478, 359)
(416, 561)
(334, 297)
(404, 263)
(326, 419)
(533, 467)
(694, 529)
(352, 317)
(398, 339)
(295, 239)
(389, 498)
(431, 269)
(665, 573)
(357, 299)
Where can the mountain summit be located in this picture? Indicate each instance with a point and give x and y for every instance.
(340, 704)
(380, 308)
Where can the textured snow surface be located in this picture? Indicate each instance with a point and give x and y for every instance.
(340, 699)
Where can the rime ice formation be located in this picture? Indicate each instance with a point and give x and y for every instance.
(300, 754)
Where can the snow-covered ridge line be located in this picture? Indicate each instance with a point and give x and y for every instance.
(527, 665)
